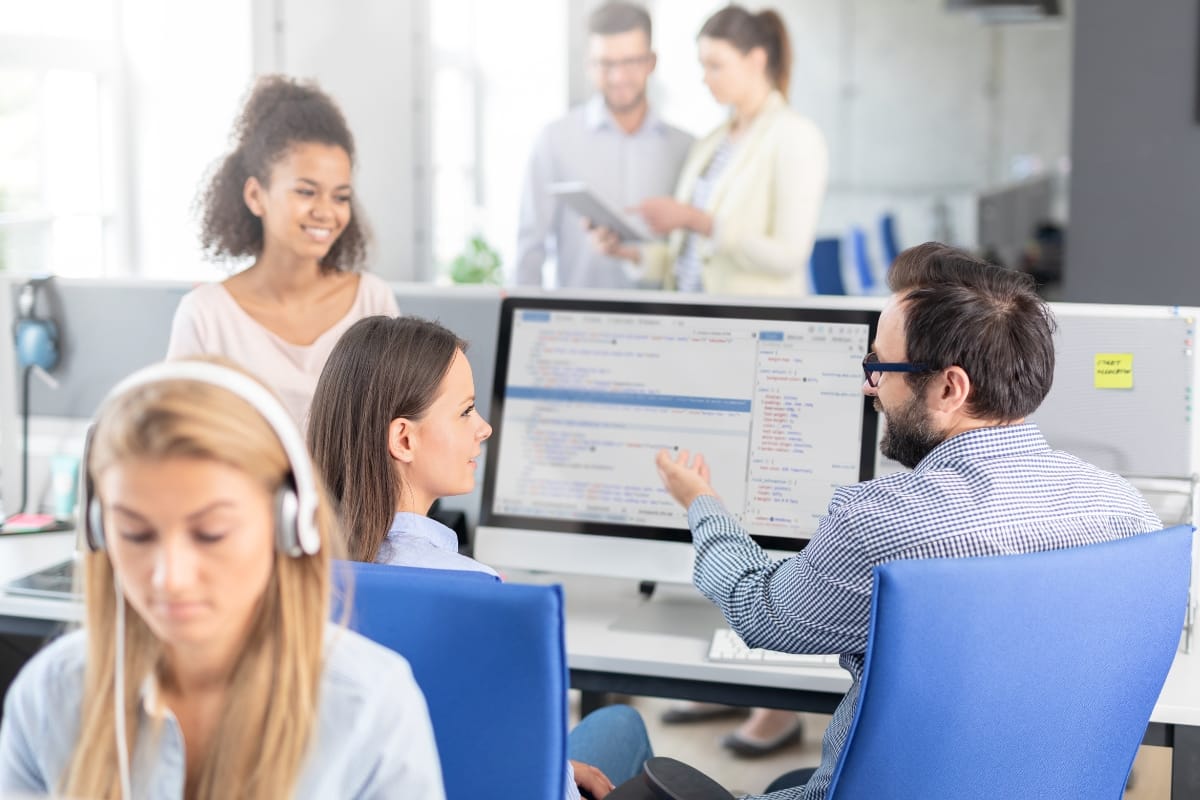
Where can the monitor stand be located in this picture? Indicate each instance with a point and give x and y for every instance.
(671, 609)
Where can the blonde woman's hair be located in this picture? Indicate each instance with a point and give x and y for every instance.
(270, 714)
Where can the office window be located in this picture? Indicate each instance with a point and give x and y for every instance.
(111, 112)
(56, 99)
(498, 75)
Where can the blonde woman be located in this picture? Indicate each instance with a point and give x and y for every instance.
(206, 667)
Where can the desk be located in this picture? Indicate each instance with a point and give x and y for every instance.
(617, 641)
(21, 554)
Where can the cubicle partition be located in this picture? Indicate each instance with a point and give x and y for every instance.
(110, 328)
(106, 329)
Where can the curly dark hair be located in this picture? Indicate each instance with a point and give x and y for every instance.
(280, 112)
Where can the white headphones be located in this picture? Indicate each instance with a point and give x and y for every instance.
(296, 531)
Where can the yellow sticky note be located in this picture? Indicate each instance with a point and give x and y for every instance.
(1114, 370)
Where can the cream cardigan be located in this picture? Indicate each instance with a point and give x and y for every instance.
(764, 208)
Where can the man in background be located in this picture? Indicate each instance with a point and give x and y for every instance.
(614, 144)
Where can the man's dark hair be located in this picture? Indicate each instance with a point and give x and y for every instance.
(612, 18)
(961, 311)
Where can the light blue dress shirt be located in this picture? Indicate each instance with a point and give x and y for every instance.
(419, 541)
(986, 492)
(622, 168)
(372, 738)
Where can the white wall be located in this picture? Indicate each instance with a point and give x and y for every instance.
(186, 67)
(921, 107)
(368, 55)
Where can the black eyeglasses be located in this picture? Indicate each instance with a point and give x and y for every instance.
(632, 62)
(873, 368)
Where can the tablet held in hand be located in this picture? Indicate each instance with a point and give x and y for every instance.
(586, 203)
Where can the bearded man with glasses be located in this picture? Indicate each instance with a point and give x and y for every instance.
(964, 353)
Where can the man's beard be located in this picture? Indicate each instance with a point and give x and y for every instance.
(909, 435)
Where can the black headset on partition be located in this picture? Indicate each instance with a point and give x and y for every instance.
(35, 340)
(296, 529)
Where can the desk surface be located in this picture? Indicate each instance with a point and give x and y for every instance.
(610, 628)
(23, 553)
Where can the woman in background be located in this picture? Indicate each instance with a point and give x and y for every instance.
(744, 215)
(394, 427)
(206, 610)
(282, 197)
(742, 221)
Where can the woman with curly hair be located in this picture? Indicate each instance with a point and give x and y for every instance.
(283, 198)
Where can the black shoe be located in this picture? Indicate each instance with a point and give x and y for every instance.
(699, 712)
(748, 748)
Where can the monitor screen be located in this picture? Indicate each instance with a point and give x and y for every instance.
(586, 392)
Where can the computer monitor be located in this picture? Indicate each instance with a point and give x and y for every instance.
(587, 391)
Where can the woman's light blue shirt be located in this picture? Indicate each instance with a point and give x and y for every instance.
(372, 737)
(418, 541)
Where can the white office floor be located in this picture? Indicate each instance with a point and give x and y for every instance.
(699, 744)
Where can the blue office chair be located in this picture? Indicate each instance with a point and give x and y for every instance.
(825, 266)
(1017, 676)
(887, 238)
(862, 261)
(490, 658)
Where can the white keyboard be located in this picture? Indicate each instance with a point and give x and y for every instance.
(728, 646)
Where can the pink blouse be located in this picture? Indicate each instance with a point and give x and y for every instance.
(210, 322)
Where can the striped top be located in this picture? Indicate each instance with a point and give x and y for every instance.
(991, 491)
(689, 268)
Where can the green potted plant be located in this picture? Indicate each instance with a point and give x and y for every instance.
(477, 263)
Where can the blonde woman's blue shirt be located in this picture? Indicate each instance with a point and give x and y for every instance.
(373, 738)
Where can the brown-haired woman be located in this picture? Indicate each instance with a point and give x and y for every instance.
(282, 197)
(207, 612)
(393, 428)
(744, 215)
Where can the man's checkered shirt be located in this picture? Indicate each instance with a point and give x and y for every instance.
(990, 491)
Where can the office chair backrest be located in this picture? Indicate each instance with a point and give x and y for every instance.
(490, 659)
(887, 238)
(1015, 676)
(862, 261)
(825, 266)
